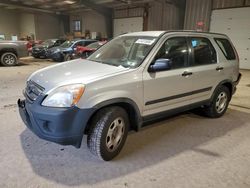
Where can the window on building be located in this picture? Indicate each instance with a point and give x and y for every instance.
(77, 25)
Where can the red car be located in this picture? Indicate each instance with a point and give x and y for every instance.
(32, 43)
(85, 51)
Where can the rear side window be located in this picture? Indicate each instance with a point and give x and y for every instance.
(204, 52)
(86, 43)
(78, 44)
(226, 48)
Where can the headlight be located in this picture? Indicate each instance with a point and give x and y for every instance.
(65, 96)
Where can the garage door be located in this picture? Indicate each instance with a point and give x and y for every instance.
(126, 25)
(236, 24)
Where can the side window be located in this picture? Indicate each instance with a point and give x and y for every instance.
(77, 44)
(61, 41)
(204, 52)
(81, 43)
(57, 43)
(226, 48)
(87, 43)
(176, 50)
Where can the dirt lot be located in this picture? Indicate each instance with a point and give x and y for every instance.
(187, 150)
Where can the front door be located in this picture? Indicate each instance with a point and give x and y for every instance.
(170, 89)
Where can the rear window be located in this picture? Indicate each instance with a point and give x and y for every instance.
(226, 48)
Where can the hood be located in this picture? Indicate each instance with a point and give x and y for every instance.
(40, 46)
(76, 71)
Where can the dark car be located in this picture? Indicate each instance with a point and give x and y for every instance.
(41, 50)
(65, 51)
(31, 44)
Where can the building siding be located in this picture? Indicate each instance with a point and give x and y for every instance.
(197, 11)
(128, 12)
(165, 16)
(218, 4)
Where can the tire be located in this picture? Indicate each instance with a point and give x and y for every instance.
(108, 132)
(219, 103)
(67, 57)
(9, 59)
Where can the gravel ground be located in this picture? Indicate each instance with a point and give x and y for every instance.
(187, 150)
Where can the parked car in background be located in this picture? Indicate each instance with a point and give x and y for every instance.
(41, 50)
(10, 51)
(32, 43)
(86, 51)
(65, 51)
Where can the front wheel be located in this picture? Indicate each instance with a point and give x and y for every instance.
(108, 132)
(219, 104)
(67, 57)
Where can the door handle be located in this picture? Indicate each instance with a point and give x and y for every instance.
(186, 73)
(219, 68)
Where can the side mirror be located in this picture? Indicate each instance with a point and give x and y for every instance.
(160, 65)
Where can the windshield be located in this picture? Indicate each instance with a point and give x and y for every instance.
(67, 44)
(126, 51)
(48, 42)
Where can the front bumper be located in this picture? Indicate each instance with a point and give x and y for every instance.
(58, 56)
(40, 53)
(64, 126)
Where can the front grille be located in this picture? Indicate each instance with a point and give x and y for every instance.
(33, 90)
(36, 50)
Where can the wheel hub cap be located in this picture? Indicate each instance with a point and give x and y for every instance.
(221, 102)
(9, 59)
(115, 134)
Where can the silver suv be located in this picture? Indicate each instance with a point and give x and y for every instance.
(133, 79)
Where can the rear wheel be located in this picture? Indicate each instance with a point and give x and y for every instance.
(108, 132)
(219, 103)
(9, 59)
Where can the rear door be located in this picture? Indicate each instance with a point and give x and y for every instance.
(207, 71)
